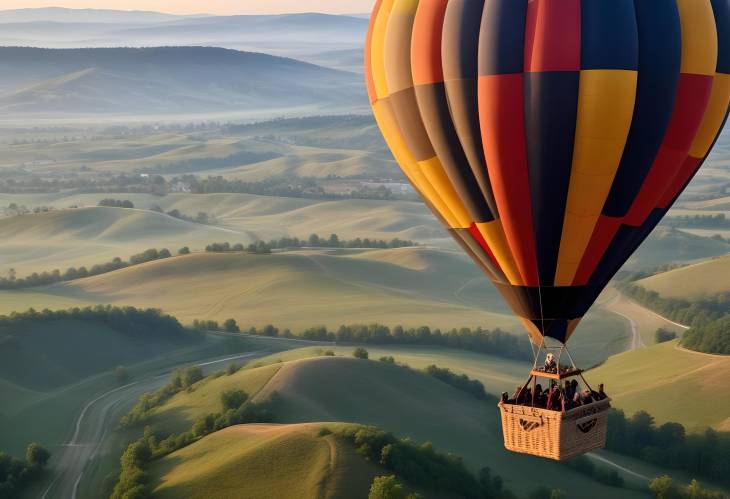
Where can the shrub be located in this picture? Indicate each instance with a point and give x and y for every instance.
(360, 353)
(233, 399)
(662, 335)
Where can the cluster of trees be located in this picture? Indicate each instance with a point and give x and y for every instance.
(16, 474)
(258, 248)
(201, 218)
(116, 203)
(14, 209)
(669, 445)
(11, 281)
(149, 184)
(296, 187)
(229, 326)
(663, 335)
(388, 487)
(423, 467)
(708, 317)
(664, 487)
(313, 241)
(495, 342)
(237, 408)
(462, 382)
(710, 338)
(126, 320)
(182, 380)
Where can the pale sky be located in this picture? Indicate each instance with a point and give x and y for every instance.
(207, 6)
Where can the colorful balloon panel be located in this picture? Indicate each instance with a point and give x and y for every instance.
(550, 136)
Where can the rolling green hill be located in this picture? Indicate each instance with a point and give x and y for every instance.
(667, 245)
(706, 278)
(266, 461)
(165, 80)
(671, 383)
(89, 236)
(253, 289)
(406, 402)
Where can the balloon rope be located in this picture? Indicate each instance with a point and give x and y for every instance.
(542, 314)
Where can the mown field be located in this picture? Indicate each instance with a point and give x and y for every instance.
(266, 461)
(671, 383)
(703, 279)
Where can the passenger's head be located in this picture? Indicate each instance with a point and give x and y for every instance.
(600, 387)
(550, 357)
(574, 383)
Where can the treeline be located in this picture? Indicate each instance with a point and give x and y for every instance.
(691, 313)
(201, 218)
(116, 203)
(11, 281)
(313, 241)
(496, 342)
(423, 467)
(127, 320)
(17, 474)
(72, 273)
(709, 338)
(182, 379)
(461, 382)
(669, 446)
(664, 487)
(293, 187)
(236, 408)
(708, 318)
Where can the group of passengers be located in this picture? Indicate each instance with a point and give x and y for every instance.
(556, 397)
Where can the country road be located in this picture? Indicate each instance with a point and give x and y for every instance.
(98, 417)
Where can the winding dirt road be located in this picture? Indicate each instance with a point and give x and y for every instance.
(92, 426)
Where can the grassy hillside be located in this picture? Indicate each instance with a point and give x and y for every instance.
(266, 461)
(93, 235)
(165, 80)
(671, 383)
(707, 278)
(88, 236)
(43, 355)
(253, 289)
(406, 402)
(667, 245)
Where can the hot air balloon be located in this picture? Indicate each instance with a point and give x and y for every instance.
(550, 137)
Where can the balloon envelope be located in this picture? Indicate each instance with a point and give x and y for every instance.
(550, 136)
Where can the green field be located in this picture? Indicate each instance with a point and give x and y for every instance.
(670, 383)
(55, 367)
(266, 462)
(408, 286)
(406, 402)
(696, 281)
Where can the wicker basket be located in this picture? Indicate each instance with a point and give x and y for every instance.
(553, 434)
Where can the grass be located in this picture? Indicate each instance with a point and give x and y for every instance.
(403, 401)
(252, 289)
(702, 279)
(178, 414)
(266, 462)
(670, 383)
(408, 286)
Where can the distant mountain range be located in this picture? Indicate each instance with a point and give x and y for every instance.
(294, 35)
(165, 80)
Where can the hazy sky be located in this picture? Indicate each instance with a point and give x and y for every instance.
(207, 6)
